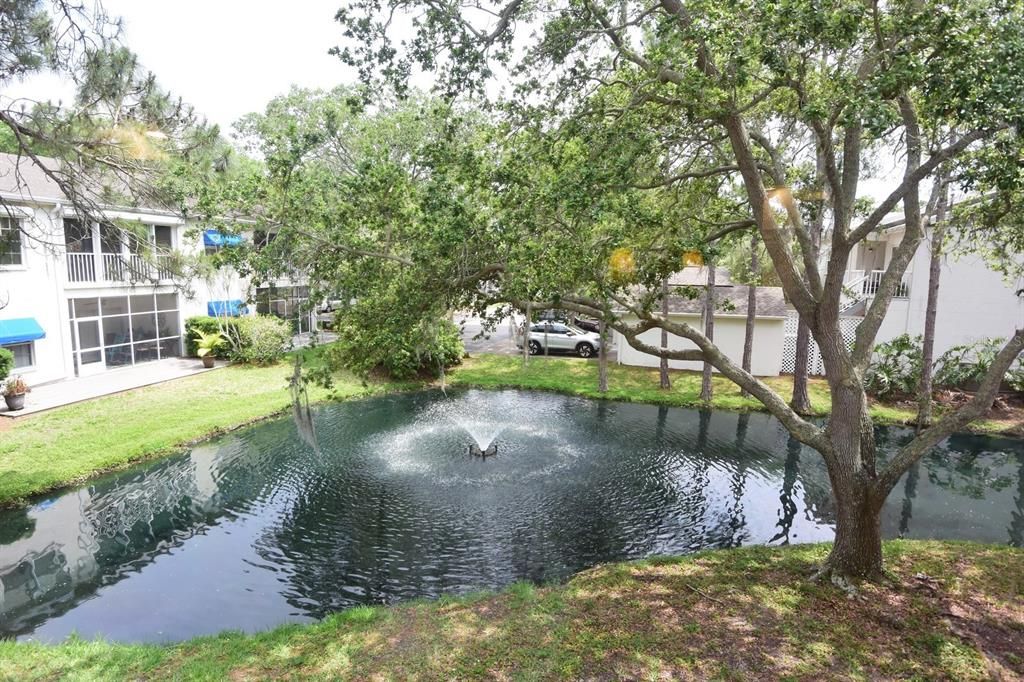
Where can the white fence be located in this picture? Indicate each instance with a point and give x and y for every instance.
(847, 327)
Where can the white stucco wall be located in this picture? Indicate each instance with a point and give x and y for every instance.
(975, 302)
(39, 288)
(34, 290)
(729, 334)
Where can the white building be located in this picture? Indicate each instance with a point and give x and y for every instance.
(730, 323)
(77, 298)
(975, 302)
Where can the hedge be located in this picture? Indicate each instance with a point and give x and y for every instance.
(208, 325)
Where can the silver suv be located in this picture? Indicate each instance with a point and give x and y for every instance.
(555, 336)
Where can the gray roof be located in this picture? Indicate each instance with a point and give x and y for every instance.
(770, 302)
(21, 175)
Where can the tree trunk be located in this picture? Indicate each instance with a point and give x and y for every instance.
(602, 359)
(706, 391)
(924, 405)
(526, 334)
(666, 381)
(801, 401)
(857, 549)
(748, 338)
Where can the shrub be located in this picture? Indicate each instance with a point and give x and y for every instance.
(209, 325)
(402, 351)
(207, 343)
(6, 362)
(964, 366)
(896, 368)
(260, 340)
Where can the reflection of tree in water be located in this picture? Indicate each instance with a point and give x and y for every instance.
(738, 480)
(789, 478)
(909, 492)
(1016, 528)
(966, 466)
(15, 524)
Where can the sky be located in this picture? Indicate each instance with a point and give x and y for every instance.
(225, 57)
(228, 58)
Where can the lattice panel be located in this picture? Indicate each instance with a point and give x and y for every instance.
(847, 327)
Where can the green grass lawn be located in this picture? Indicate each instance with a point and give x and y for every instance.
(955, 612)
(68, 444)
(640, 384)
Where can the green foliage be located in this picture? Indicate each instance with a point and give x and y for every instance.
(204, 324)
(965, 365)
(399, 347)
(6, 363)
(895, 370)
(260, 340)
(208, 342)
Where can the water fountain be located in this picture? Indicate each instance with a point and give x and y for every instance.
(476, 451)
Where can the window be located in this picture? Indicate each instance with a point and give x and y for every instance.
(10, 242)
(162, 238)
(23, 355)
(110, 239)
(125, 330)
(77, 236)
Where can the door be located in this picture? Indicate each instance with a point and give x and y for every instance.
(872, 256)
(558, 337)
(88, 342)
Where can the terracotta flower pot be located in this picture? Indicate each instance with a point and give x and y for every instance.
(15, 402)
(208, 361)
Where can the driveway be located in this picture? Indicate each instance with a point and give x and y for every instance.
(499, 341)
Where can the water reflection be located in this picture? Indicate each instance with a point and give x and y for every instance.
(258, 528)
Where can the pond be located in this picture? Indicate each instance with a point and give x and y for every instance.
(256, 528)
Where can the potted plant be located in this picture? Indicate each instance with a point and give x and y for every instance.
(14, 390)
(206, 344)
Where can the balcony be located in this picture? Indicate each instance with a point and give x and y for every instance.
(867, 283)
(116, 268)
(860, 285)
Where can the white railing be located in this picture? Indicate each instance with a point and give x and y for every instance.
(860, 285)
(81, 267)
(873, 280)
(116, 267)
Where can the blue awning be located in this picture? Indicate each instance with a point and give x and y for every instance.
(232, 308)
(20, 330)
(215, 238)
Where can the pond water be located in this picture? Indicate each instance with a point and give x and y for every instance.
(256, 528)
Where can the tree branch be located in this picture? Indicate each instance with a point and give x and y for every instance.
(953, 421)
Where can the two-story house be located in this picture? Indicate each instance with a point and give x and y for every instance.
(974, 302)
(79, 297)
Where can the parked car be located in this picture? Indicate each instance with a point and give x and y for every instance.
(586, 324)
(566, 318)
(557, 337)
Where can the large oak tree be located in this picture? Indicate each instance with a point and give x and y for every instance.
(762, 91)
